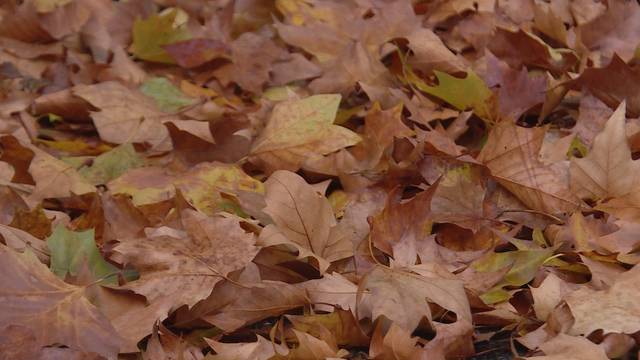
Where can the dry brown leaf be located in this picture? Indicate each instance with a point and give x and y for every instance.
(125, 115)
(612, 310)
(607, 170)
(565, 347)
(511, 153)
(402, 295)
(262, 349)
(186, 266)
(36, 299)
(302, 218)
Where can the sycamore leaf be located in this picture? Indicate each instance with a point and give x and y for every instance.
(70, 249)
(55, 178)
(302, 218)
(511, 153)
(401, 296)
(166, 95)
(523, 265)
(467, 93)
(111, 164)
(608, 170)
(55, 311)
(186, 266)
(612, 310)
(458, 199)
(298, 129)
(565, 347)
(125, 115)
(151, 34)
(262, 349)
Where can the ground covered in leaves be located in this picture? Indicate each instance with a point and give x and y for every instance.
(313, 179)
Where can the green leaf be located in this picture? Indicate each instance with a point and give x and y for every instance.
(524, 265)
(151, 34)
(168, 97)
(467, 93)
(112, 164)
(69, 249)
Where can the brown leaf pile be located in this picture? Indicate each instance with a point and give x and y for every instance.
(319, 179)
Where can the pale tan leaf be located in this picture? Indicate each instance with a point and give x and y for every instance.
(298, 129)
(612, 310)
(302, 217)
(565, 347)
(608, 170)
(126, 115)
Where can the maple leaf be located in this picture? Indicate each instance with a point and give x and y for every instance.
(262, 349)
(111, 164)
(125, 115)
(609, 310)
(511, 153)
(70, 249)
(297, 129)
(168, 97)
(36, 299)
(565, 347)
(151, 34)
(302, 218)
(401, 296)
(187, 266)
(607, 170)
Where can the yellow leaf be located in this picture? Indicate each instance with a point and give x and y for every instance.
(151, 34)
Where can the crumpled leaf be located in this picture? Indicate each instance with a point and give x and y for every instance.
(70, 250)
(126, 116)
(55, 178)
(36, 299)
(298, 129)
(262, 349)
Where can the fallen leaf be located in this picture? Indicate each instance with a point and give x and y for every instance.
(184, 266)
(608, 170)
(303, 218)
(297, 129)
(610, 310)
(39, 301)
(151, 34)
(168, 97)
(565, 347)
(70, 249)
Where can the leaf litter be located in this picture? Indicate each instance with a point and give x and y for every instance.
(319, 179)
